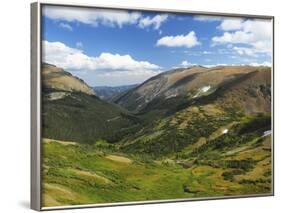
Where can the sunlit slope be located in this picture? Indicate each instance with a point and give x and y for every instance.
(56, 78)
(72, 112)
(176, 89)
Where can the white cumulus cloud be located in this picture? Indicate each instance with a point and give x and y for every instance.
(185, 63)
(255, 35)
(189, 40)
(107, 17)
(231, 24)
(248, 51)
(61, 55)
(155, 21)
(93, 17)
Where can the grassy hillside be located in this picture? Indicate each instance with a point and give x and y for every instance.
(178, 89)
(83, 118)
(72, 111)
(194, 132)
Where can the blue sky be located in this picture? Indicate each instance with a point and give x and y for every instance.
(111, 47)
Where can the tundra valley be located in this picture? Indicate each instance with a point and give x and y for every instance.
(192, 132)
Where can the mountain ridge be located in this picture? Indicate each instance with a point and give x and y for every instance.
(72, 111)
(57, 78)
(188, 83)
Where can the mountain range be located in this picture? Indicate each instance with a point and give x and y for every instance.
(111, 93)
(189, 132)
(242, 84)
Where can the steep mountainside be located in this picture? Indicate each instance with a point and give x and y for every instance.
(57, 78)
(214, 100)
(158, 86)
(72, 112)
(177, 89)
(250, 93)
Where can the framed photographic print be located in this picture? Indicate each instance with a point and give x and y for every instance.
(136, 105)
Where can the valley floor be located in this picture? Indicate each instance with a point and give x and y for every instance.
(75, 173)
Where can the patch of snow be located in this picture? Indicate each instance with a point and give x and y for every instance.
(266, 133)
(202, 90)
(205, 88)
(225, 131)
(171, 96)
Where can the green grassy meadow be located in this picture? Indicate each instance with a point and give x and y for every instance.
(76, 174)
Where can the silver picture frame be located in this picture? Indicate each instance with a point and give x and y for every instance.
(36, 104)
